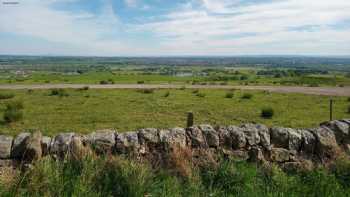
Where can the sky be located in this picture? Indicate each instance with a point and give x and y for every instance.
(175, 27)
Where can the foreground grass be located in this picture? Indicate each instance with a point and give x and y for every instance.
(122, 177)
(86, 110)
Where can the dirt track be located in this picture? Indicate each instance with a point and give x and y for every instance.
(327, 91)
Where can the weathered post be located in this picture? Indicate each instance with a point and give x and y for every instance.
(331, 110)
(189, 119)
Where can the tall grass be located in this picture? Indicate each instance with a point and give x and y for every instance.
(116, 176)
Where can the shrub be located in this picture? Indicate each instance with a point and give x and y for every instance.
(4, 95)
(85, 88)
(13, 111)
(348, 109)
(349, 99)
(58, 92)
(200, 94)
(195, 91)
(167, 94)
(267, 112)
(146, 91)
(247, 96)
(104, 82)
(140, 82)
(229, 95)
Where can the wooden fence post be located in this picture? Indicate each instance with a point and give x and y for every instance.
(189, 119)
(331, 110)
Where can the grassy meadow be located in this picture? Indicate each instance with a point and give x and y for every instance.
(86, 110)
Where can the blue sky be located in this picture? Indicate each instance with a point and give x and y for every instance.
(175, 27)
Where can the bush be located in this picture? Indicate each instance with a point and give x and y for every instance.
(58, 92)
(104, 82)
(348, 109)
(85, 88)
(199, 94)
(140, 82)
(195, 91)
(267, 112)
(167, 94)
(13, 111)
(146, 91)
(229, 95)
(4, 95)
(247, 96)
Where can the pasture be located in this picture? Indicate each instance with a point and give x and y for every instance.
(86, 110)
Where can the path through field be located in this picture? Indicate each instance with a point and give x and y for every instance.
(327, 91)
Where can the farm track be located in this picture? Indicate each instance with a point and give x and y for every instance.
(325, 91)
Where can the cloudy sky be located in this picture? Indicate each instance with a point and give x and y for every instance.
(175, 27)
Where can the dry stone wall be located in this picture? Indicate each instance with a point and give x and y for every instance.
(287, 147)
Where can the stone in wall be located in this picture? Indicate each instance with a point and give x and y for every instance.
(60, 144)
(19, 145)
(211, 136)
(175, 136)
(5, 146)
(196, 137)
(102, 141)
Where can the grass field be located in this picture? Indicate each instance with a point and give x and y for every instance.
(87, 110)
(245, 77)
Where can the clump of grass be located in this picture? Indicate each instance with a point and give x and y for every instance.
(58, 92)
(13, 111)
(267, 112)
(146, 91)
(195, 91)
(167, 94)
(229, 95)
(85, 88)
(140, 82)
(5, 95)
(247, 96)
(183, 88)
(201, 94)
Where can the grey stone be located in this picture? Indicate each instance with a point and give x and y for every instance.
(19, 145)
(127, 142)
(60, 144)
(308, 141)
(173, 136)
(225, 138)
(238, 137)
(211, 135)
(340, 129)
(5, 146)
(265, 138)
(196, 137)
(102, 141)
(251, 133)
(148, 136)
(326, 146)
(280, 137)
(279, 155)
(45, 145)
(294, 140)
(33, 150)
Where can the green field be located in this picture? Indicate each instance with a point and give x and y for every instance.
(87, 110)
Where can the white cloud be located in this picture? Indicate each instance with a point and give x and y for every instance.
(256, 28)
(198, 27)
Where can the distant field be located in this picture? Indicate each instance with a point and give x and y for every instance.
(86, 110)
(240, 76)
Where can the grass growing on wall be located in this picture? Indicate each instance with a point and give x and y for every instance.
(85, 111)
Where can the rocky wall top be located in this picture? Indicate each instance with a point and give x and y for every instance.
(253, 142)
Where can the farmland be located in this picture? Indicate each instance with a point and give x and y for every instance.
(87, 110)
